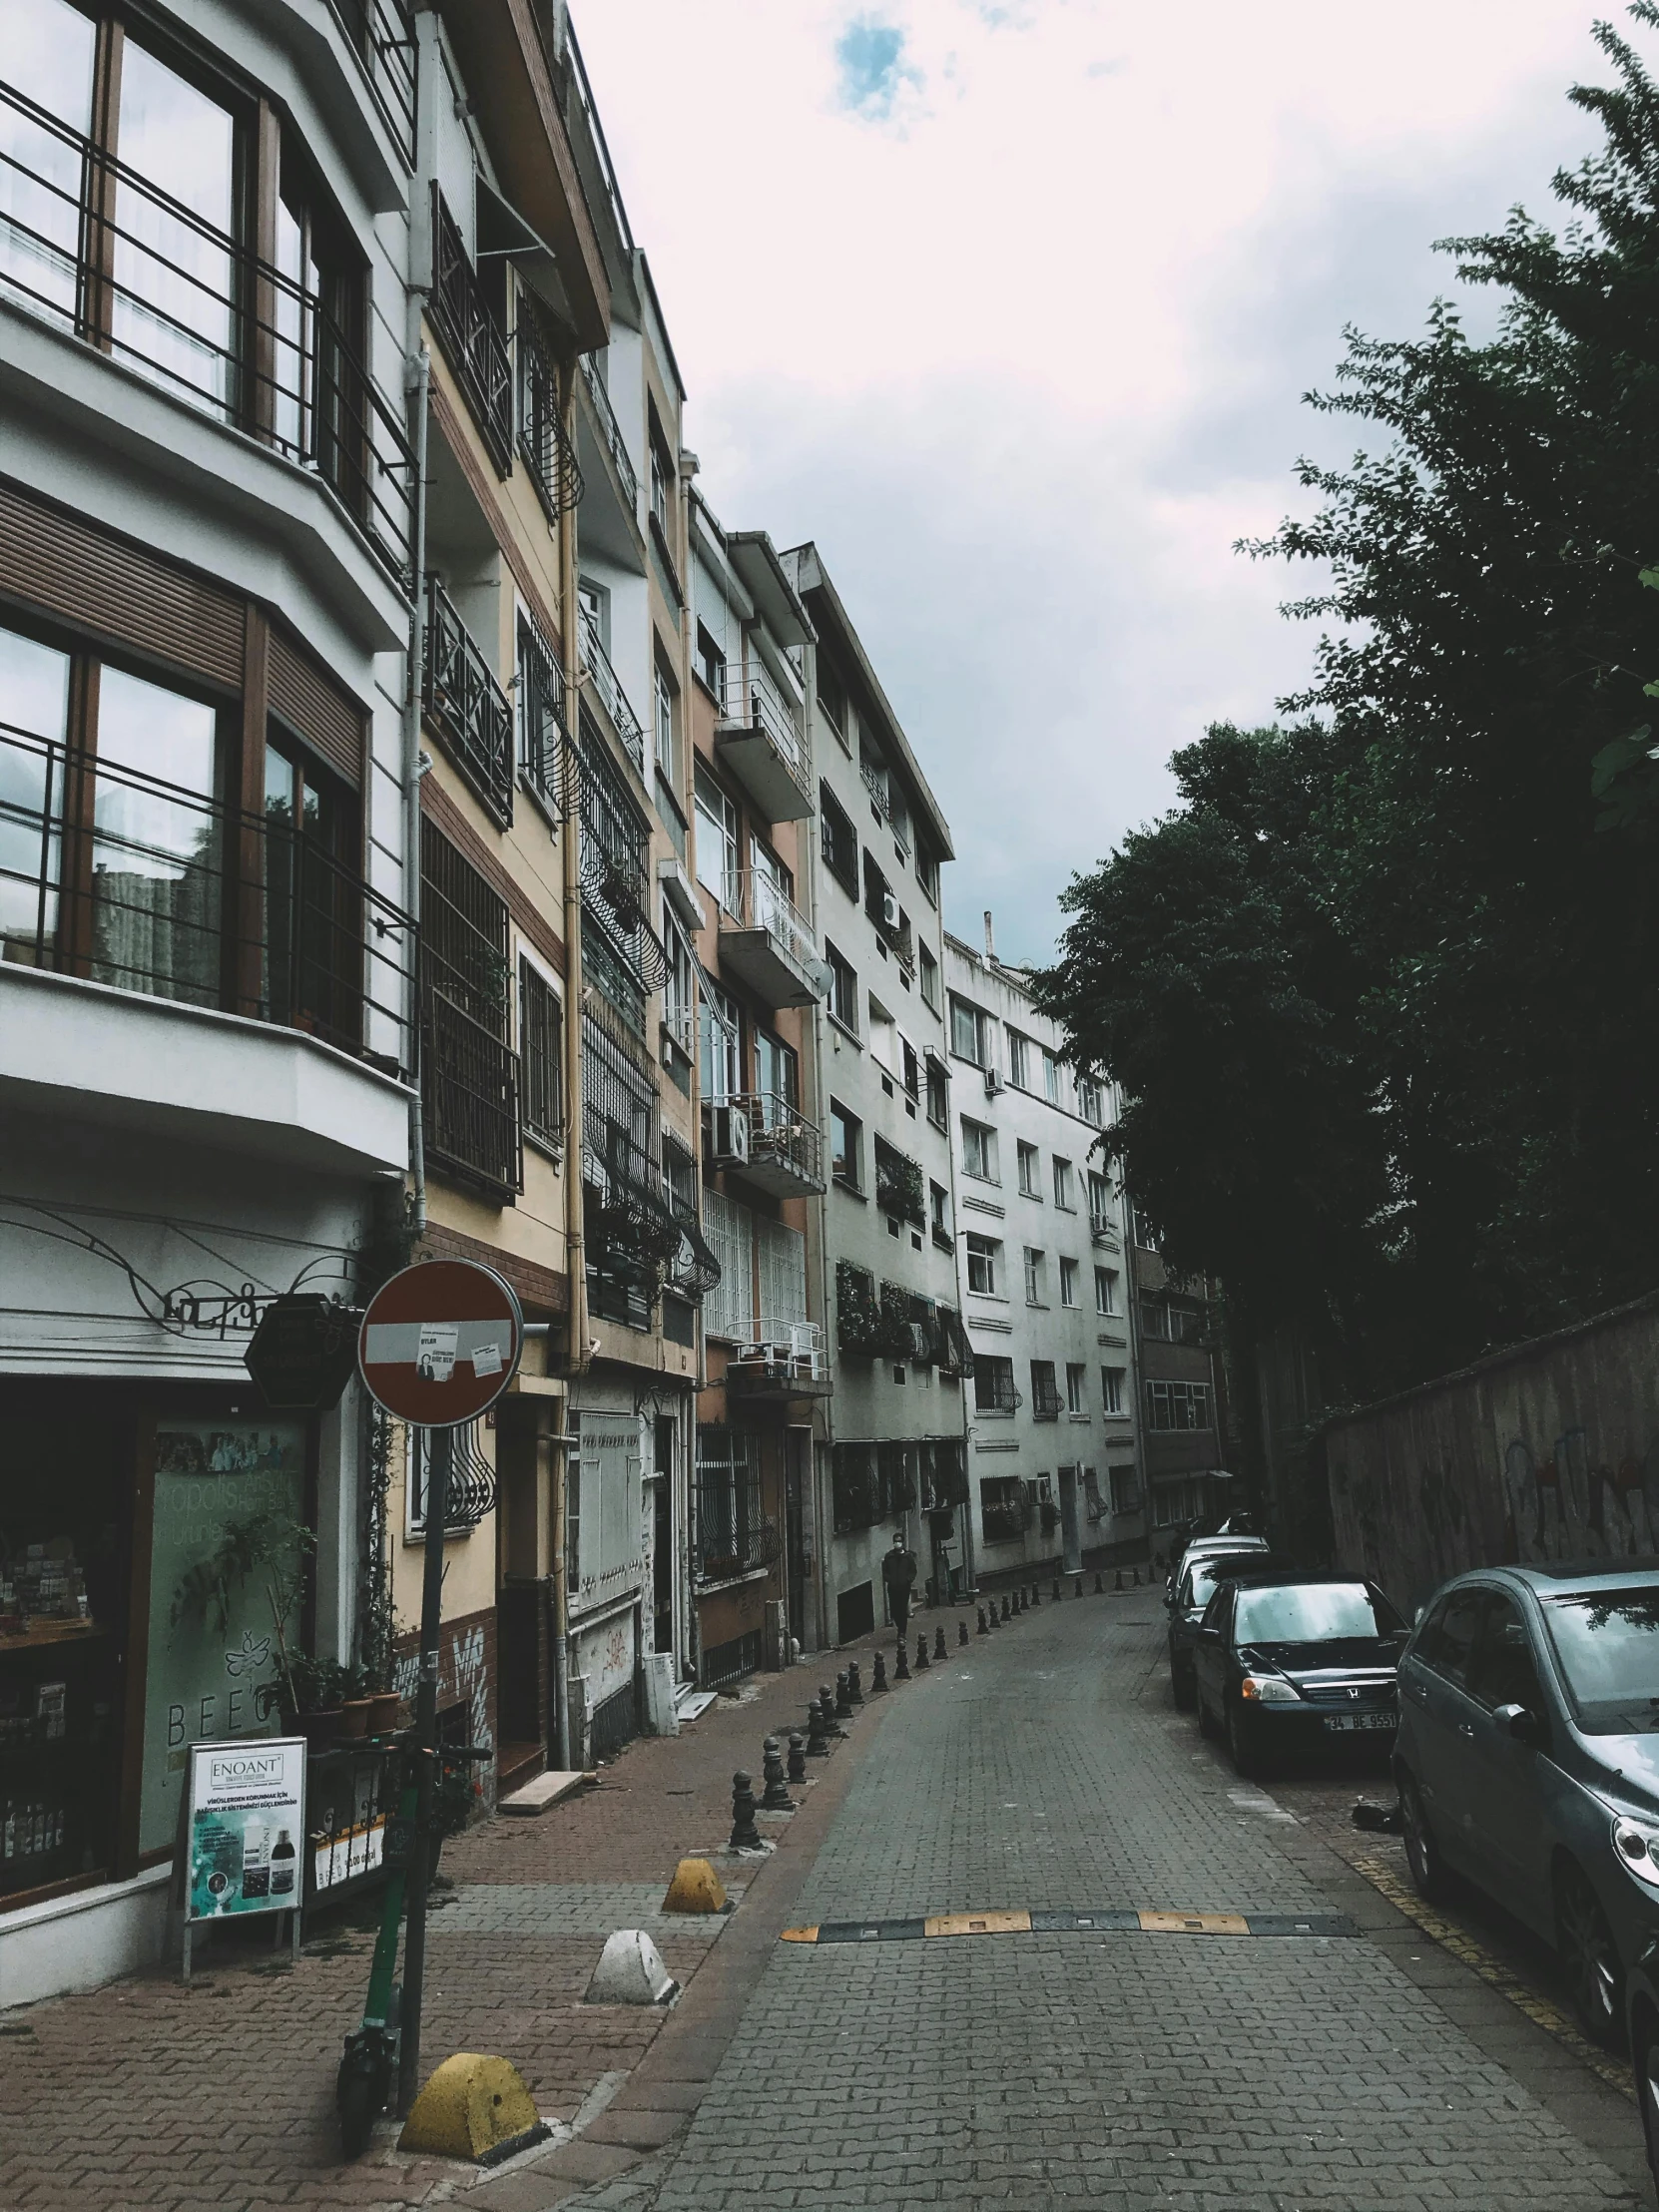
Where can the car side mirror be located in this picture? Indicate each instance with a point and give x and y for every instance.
(1517, 1721)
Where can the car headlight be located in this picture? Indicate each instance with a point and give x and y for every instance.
(1637, 1843)
(1273, 1689)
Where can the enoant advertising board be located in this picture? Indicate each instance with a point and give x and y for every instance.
(247, 1828)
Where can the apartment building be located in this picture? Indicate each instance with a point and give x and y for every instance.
(208, 519)
(1183, 1398)
(888, 1442)
(1054, 1461)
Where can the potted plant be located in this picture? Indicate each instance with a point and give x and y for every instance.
(313, 1698)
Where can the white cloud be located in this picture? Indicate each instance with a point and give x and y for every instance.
(1009, 304)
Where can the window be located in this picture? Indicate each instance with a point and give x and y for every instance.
(838, 841)
(469, 1072)
(978, 1151)
(1045, 1392)
(1091, 1101)
(898, 1184)
(1077, 1384)
(1030, 1170)
(832, 697)
(1125, 1491)
(993, 1384)
(1004, 1509)
(929, 968)
(883, 1036)
(1111, 1392)
(721, 1045)
(938, 1095)
(844, 989)
(1178, 1406)
(847, 1136)
(1019, 1060)
(928, 872)
(1051, 1077)
(1063, 1193)
(967, 1031)
(539, 1051)
(777, 1078)
(1105, 1291)
(679, 989)
(938, 1200)
(711, 661)
(661, 470)
(1068, 1282)
(668, 749)
(1100, 1202)
(984, 1258)
(1141, 1231)
(718, 850)
(1035, 1271)
(730, 1525)
(910, 1068)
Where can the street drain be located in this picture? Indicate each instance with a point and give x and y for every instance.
(1111, 1920)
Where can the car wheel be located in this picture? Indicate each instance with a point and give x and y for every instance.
(1242, 1743)
(1591, 1959)
(1423, 1852)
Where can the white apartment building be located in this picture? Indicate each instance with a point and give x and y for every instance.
(1054, 1460)
(881, 1245)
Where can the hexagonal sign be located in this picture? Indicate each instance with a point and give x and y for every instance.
(303, 1352)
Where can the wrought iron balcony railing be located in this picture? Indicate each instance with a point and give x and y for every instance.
(381, 34)
(90, 245)
(471, 1084)
(465, 705)
(120, 876)
(1046, 1401)
(474, 341)
(547, 759)
(596, 666)
(547, 450)
(615, 443)
(750, 699)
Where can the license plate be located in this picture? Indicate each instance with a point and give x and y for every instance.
(1347, 1723)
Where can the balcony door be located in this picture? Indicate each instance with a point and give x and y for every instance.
(313, 908)
(34, 724)
(777, 1079)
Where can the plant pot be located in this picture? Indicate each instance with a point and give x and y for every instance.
(320, 1729)
(385, 1712)
(353, 1716)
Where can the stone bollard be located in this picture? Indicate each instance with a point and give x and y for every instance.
(1004, 1605)
(776, 1798)
(878, 1677)
(961, 1629)
(981, 1629)
(900, 1667)
(798, 1755)
(1056, 1585)
(826, 1706)
(745, 1834)
(938, 1641)
(844, 1698)
(855, 1687)
(923, 1660)
(818, 1743)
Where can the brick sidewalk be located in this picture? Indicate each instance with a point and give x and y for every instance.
(220, 2096)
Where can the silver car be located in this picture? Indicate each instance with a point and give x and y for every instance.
(1528, 1760)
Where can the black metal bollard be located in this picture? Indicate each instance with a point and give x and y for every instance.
(745, 1834)
(818, 1743)
(980, 1630)
(826, 1706)
(938, 1641)
(923, 1660)
(1004, 1605)
(798, 1755)
(878, 1677)
(854, 1688)
(844, 1698)
(1036, 1594)
(1137, 1573)
(901, 1668)
(776, 1798)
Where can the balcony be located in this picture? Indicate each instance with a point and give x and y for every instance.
(473, 341)
(465, 706)
(382, 35)
(766, 944)
(789, 1364)
(779, 1150)
(1046, 1402)
(86, 245)
(762, 739)
(606, 686)
(611, 438)
(542, 441)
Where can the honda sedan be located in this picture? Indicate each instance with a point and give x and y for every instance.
(1295, 1662)
(1189, 1595)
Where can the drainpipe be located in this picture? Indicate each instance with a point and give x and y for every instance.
(419, 377)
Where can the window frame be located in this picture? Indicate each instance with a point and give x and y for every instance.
(985, 1254)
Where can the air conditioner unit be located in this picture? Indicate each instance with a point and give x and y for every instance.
(889, 909)
(993, 1082)
(731, 1136)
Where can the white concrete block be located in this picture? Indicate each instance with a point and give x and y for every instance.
(631, 1971)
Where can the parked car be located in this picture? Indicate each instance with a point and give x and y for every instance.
(1295, 1662)
(1187, 1596)
(1203, 1548)
(1528, 1760)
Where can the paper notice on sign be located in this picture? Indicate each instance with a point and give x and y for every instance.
(436, 1358)
(487, 1359)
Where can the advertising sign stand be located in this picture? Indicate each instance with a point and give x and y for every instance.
(241, 1836)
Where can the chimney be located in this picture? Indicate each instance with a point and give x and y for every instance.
(990, 941)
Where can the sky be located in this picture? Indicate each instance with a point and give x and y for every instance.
(1012, 305)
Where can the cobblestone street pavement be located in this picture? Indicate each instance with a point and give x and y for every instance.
(1048, 1769)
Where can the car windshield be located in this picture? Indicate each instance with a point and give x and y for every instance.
(1212, 1571)
(1313, 1613)
(1608, 1644)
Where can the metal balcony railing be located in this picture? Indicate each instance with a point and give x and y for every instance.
(615, 443)
(778, 1133)
(753, 901)
(470, 335)
(1046, 1402)
(470, 1085)
(134, 273)
(587, 107)
(596, 666)
(750, 699)
(122, 877)
(381, 34)
(547, 759)
(547, 450)
(465, 705)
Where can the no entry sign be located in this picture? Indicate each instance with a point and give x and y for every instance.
(440, 1342)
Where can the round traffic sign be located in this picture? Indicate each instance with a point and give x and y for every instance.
(440, 1342)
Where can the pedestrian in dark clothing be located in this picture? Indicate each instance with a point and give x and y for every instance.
(899, 1579)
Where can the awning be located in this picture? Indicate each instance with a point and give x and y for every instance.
(503, 231)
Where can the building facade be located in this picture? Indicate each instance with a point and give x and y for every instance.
(1183, 1397)
(1054, 1458)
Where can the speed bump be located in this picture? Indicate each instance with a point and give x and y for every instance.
(1047, 1920)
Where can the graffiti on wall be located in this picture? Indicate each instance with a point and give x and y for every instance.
(1563, 1503)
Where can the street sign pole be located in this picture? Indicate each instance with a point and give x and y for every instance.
(426, 1739)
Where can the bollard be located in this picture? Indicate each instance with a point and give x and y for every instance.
(1056, 1585)
(1036, 1594)
(1137, 1573)
(901, 1668)
(1020, 1600)
(844, 1698)
(1078, 1592)
(745, 1834)
(961, 1629)
(878, 1676)
(1004, 1605)
(818, 1743)
(938, 1641)
(827, 1705)
(855, 1687)
(776, 1798)
(798, 1755)
(923, 1660)
(1099, 1586)
(980, 1630)
(1120, 1578)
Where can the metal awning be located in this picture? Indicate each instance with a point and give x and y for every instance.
(503, 232)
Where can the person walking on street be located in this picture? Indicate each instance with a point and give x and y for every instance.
(899, 1578)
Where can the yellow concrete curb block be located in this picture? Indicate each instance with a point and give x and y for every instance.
(1195, 1923)
(695, 1887)
(469, 2105)
(977, 1924)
